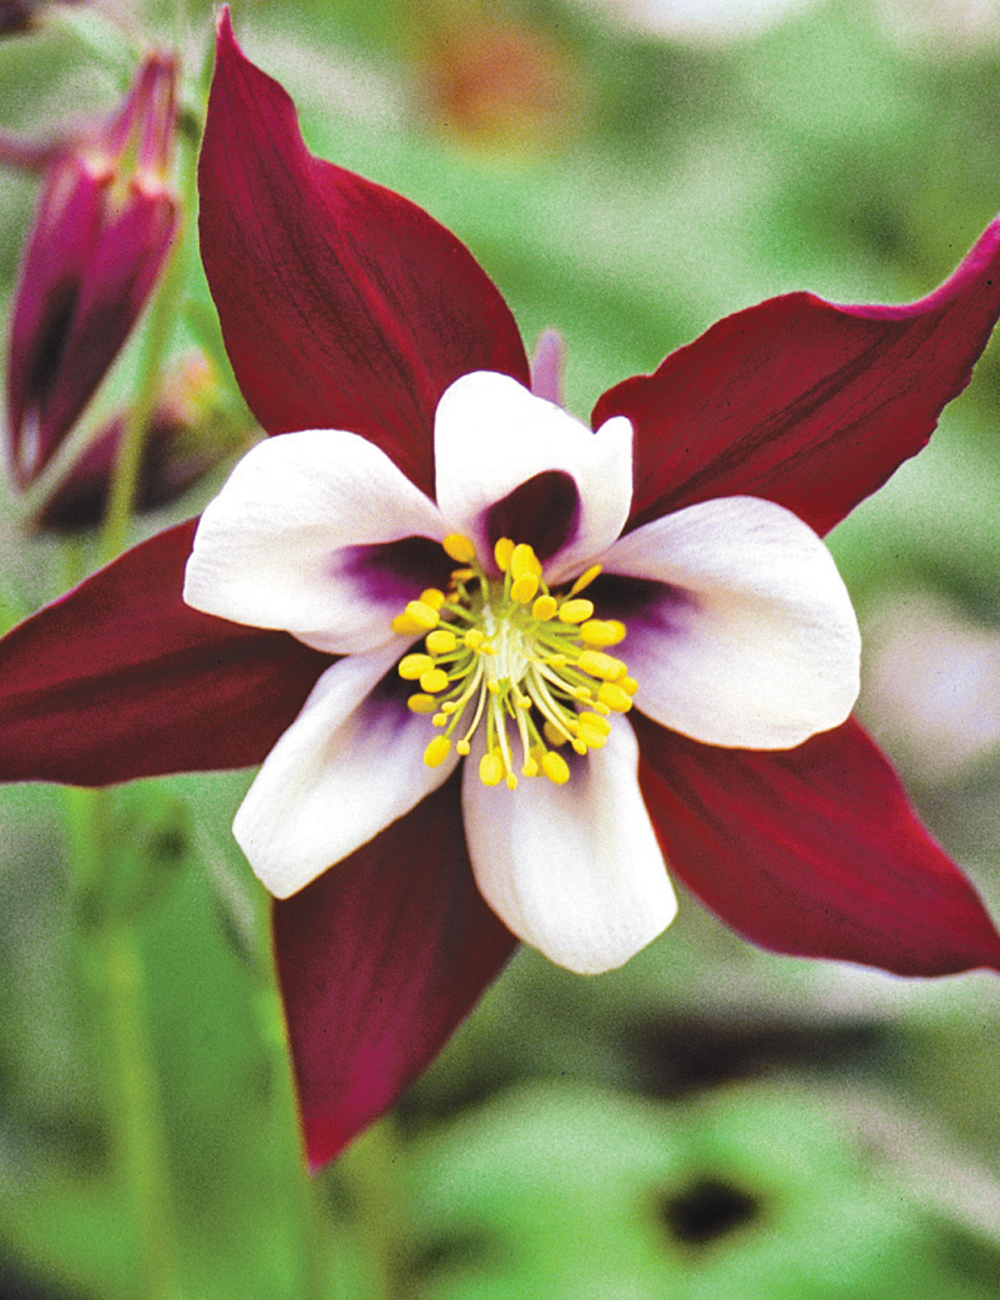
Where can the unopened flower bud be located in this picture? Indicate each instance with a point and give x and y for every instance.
(192, 429)
(103, 228)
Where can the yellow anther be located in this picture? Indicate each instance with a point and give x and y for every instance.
(441, 641)
(437, 751)
(575, 611)
(553, 735)
(425, 616)
(585, 579)
(628, 684)
(412, 667)
(597, 664)
(579, 746)
(611, 695)
(473, 639)
(557, 661)
(524, 588)
(449, 706)
(593, 730)
(462, 575)
(555, 768)
(434, 680)
(524, 560)
(530, 768)
(439, 719)
(459, 548)
(544, 608)
(491, 768)
(581, 693)
(432, 597)
(511, 781)
(600, 632)
(593, 722)
(421, 704)
(502, 552)
(524, 702)
(462, 748)
(493, 687)
(404, 625)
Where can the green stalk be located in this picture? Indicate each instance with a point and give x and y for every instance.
(125, 480)
(113, 967)
(313, 1232)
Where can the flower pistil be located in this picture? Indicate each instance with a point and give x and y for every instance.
(509, 651)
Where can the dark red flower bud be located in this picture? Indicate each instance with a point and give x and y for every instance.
(102, 231)
(192, 429)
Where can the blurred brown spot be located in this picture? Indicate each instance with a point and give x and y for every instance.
(502, 86)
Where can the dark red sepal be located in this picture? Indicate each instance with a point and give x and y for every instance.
(120, 679)
(802, 402)
(342, 304)
(379, 960)
(813, 851)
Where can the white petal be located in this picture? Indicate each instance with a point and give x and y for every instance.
(573, 870)
(349, 764)
(491, 435)
(757, 646)
(276, 546)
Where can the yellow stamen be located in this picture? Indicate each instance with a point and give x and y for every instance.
(585, 579)
(553, 735)
(502, 552)
(524, 588)
(425, 616)
(432, 597)
(412, 667)
(491, 768)
(437, 751)
(611, 695)
(459, 548)
(555, 767)
(599, 632)
(575, 611)
(435, 680)
(524, 560)
(509, 652)
(441, 641)
(593, 731)
(597, 664)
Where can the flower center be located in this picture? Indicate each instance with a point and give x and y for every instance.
(507, 653)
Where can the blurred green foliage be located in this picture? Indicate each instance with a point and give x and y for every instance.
(555, 1146)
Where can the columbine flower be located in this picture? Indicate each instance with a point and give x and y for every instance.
(104, 225)
(737, 628)
(424, 509)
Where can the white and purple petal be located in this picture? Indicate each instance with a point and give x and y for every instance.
(744, 636)
(574, 870)
(349, 765)
(292, 541)
(492, 436)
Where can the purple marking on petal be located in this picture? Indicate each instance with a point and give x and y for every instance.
(395, 572)
(544, 513)
(657, 605)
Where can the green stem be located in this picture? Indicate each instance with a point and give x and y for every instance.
(114, 969)
(313, 1237)
(125, 480)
